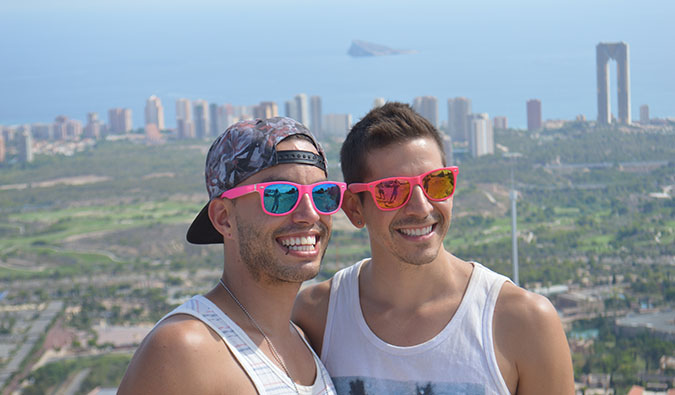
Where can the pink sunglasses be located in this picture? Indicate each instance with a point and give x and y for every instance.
(281, 197)
(394, 192)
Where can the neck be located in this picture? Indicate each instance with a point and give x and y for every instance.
(269, 303)
(405, 284)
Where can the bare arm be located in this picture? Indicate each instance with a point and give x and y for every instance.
(310, 311)
(530, 344)
(183, 356)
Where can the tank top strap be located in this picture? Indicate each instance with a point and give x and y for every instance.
(266, 376)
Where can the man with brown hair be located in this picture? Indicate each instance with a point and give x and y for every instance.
(270, 206)
(414, 318)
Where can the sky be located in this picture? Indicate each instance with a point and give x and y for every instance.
(71, 57)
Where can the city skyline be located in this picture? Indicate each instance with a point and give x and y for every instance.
(128, 55)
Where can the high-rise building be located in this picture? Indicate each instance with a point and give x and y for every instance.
(184, 126)
(302, 108)
(214, 124)
(336, 124)
(119, 120)
(201, 118)
(378, 102)
(619, 52)
(8, 134)
(183, 109)
(41, 131)
(3, 149)
(447, 149)
(315, 115)
(459, 109)
(427, 106)
(93, 127)
(534, 114)
(154, 112)
(644, 114)
(225, 117)
(59, 127)
(66, 129)
(291, 109)
(266, 109)
(481, 140)
(25, 145)
(500, 122)
(73, 129)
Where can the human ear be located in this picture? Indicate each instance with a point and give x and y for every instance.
(353, 208)
(221, 216)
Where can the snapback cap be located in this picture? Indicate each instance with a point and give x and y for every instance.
(243, 149)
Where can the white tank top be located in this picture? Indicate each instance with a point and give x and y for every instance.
(460, 359)
(265, 375)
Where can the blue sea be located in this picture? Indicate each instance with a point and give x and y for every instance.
(76, 56)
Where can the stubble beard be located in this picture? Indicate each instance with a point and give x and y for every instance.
(418, 258)
(256, 254)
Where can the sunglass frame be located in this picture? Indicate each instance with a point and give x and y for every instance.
(413, 181)
(302, 190)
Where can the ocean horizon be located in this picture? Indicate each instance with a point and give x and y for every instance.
(73, 59)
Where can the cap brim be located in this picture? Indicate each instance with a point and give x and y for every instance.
(202, 231)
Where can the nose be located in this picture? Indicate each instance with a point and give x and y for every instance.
(418, 205)
(305, 212)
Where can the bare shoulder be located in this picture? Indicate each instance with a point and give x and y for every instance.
(180, 356)
(530, 339)
(516, 306)
(310, 311)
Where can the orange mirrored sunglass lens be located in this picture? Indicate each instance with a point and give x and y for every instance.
(440, 184)
(392, 194)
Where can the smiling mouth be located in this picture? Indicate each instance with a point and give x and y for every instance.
(304, 243)
(415, 232)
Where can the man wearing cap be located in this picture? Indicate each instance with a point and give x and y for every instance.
(415, 319)
(270, 205)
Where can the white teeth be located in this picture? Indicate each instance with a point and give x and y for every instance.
(417, 232)
(305, 243)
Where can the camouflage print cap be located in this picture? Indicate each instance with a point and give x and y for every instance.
(242, 150)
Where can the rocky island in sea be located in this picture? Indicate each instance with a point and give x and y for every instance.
(363, 48)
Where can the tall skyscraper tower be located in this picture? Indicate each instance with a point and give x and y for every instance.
(315, 115)
(214, 126)
(184, 125)
(427, 106)
(25, 146)
(619, 52)
(154, 112)
(201, 118)
(534, 114)
(459, 109)
(481, 140)
(291, 110)
(447, 149)
(302, 108)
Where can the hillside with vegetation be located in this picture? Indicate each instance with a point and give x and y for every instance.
(104, 231)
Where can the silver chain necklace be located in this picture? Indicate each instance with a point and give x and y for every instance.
(267, 339)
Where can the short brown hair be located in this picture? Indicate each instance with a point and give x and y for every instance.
(394, 122)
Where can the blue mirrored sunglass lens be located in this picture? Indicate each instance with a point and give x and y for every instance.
(326, 197)
(280, 198)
